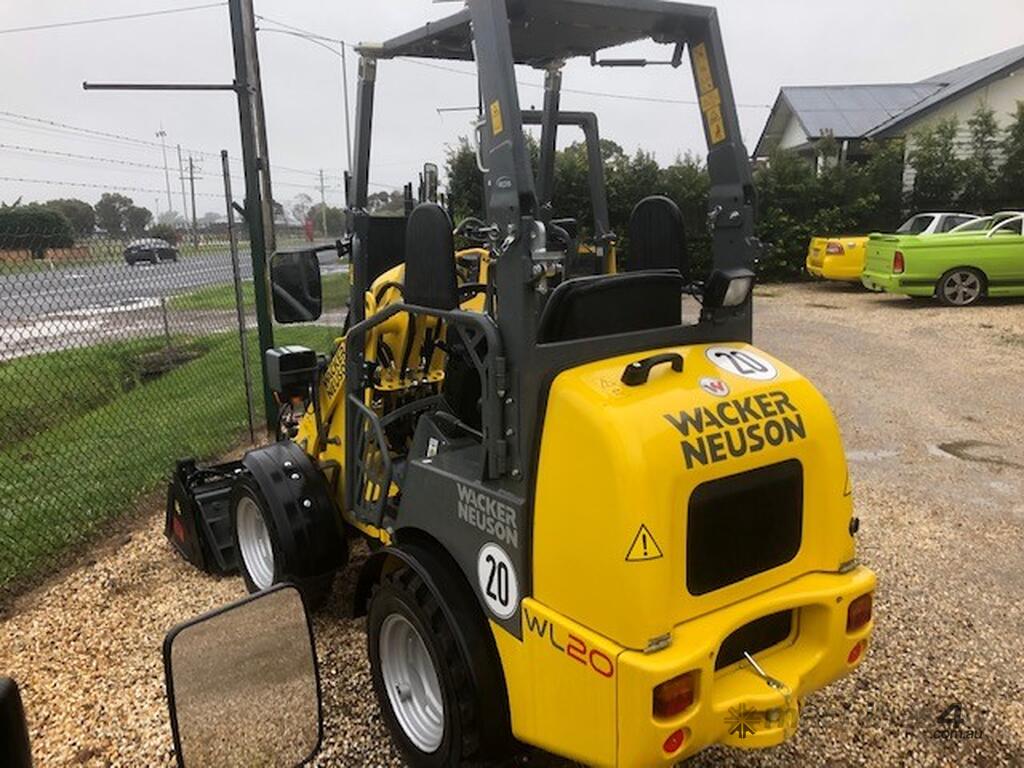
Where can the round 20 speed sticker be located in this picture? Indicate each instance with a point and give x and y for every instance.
(498, 582)
(742, 362)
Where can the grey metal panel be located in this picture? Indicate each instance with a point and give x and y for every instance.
(549, 30)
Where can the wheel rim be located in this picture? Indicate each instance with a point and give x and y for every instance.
(411, 682)
(254, 543)
(962, 288)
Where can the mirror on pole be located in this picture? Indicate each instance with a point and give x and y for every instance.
(297, 289)
(243, 686)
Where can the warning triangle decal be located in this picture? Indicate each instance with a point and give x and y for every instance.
(644, 547)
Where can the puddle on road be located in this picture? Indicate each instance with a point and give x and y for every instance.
(975, 451)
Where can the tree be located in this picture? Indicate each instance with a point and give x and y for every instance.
(386, 203)
(465, 182)
(1011, 188)
(164, 232)
(172, 219)
(34, 228)
(136, 219)
(300, 206)
(335, 220)
(110, 212)
(939, 172)
(979, 193)
(78, 212)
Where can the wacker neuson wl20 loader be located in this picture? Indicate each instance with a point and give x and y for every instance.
(601, 522)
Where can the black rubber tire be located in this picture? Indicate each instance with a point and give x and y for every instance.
(945, 301)
(316, 591)
(403, 591)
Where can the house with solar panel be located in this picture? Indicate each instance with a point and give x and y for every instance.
(854, 114)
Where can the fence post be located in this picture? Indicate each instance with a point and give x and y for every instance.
(239, 297)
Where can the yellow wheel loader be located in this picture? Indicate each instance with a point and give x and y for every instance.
(602, 523)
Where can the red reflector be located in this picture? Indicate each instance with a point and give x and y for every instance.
(855, 652)
(675, 741)
(835, 249)
(178, 529)
(897, 263)
(674, 696)
(859, 612)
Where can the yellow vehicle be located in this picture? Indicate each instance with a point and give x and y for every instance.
(837, 258)
(843, 258)
(600, 524)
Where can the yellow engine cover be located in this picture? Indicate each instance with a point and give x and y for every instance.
(618, 465)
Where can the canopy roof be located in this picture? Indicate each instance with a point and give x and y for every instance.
(550, 30)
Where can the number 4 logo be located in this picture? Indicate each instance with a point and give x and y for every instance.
(952, 716)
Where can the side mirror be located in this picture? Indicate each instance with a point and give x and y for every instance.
(298, 293)
(243, 687)
(13, 728)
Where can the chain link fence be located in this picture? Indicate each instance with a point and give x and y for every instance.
(118, 356)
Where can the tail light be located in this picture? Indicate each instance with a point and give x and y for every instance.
(835, 249)
(897, 263)
(675, 696)
(859, 612)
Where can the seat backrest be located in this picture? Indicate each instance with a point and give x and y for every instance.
(657, 237)
(385, 247)
(430, 276)
(612, 304)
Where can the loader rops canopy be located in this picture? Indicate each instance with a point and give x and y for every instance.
(551, 30)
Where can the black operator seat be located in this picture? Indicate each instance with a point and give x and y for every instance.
(657, 237)
(430, 276)
(430, 280)
(607, 305)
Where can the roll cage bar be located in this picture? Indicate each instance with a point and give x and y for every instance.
(498, 34)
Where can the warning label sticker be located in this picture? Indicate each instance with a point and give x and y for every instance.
(644, 547)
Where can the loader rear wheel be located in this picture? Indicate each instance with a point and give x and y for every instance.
(260, 559)
(422, 682)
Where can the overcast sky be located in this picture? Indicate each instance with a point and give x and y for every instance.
(768, 44)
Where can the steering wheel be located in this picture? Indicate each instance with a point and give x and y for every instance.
(473, 229)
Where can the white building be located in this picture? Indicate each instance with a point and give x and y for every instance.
(852, 114)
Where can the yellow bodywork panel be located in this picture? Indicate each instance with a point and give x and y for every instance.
(618, 466)
(837, 258)
(614, 462)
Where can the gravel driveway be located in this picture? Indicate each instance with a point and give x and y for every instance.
(931, 403)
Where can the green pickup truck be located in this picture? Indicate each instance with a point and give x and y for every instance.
(982, 258)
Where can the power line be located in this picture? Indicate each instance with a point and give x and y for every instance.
(104, 19)
(55, 183)
(56, 125)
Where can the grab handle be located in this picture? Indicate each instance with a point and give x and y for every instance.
(636, 374)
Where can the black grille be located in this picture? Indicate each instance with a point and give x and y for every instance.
(754, 637)
(742, 525)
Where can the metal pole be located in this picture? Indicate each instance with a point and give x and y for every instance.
(192, 186)
(167, 174)
(236, 272)
(181, 177)
(323, 204)
(243, 37)
(348, 112)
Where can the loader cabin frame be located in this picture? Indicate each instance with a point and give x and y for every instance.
(520, 360)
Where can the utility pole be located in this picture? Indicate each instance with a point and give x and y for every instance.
(258, 207)
(162, 135)
(181, 178)
(323, 204)
(348, 119)
(192, 185)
